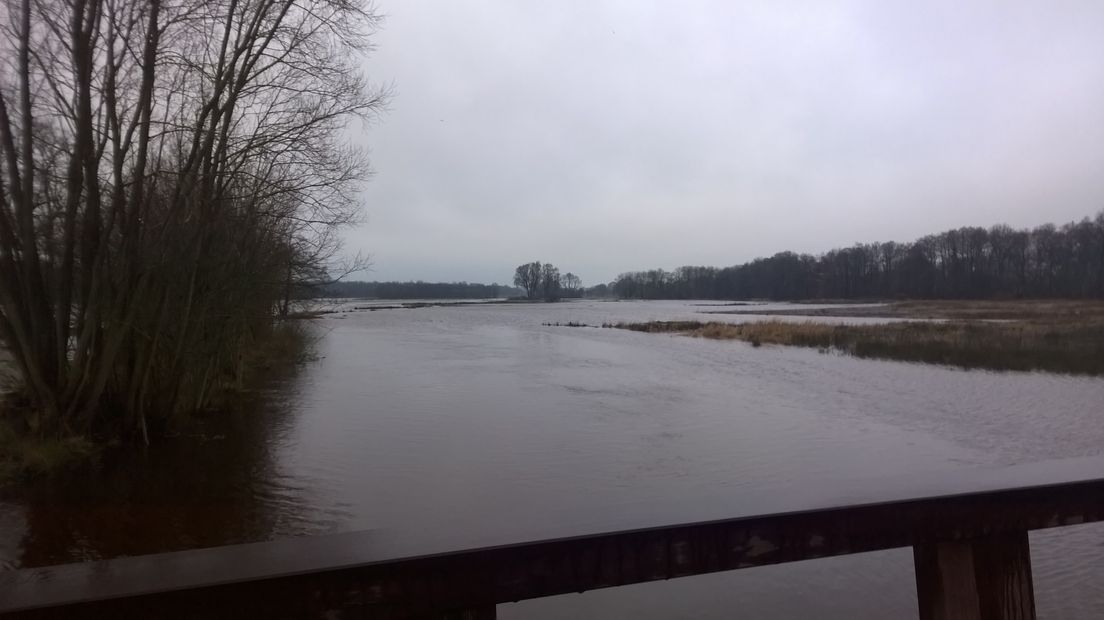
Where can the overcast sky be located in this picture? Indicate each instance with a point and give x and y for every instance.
(607, 136)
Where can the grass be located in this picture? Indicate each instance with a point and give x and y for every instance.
(1030, 310)
(568, 324)
(1073, 347)
(23, 456)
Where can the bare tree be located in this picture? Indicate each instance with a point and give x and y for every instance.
(572, 285)
(550, 282)
(528, 277)
(168, 172)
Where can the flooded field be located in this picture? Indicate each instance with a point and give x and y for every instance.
(473, 424)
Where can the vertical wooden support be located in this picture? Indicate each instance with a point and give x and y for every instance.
(946, 588)
(980, 579)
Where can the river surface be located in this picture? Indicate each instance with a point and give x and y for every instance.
(466, 425)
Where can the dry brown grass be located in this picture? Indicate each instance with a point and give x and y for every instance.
(1031, 310)
(1058, 346)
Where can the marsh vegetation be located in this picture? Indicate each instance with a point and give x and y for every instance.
(1031, 310)
(1063, 337)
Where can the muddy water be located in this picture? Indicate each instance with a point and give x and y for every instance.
(476, 424)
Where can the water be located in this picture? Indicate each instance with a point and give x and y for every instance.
(470, 425)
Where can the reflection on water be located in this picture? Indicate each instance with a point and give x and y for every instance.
(477, 424)
(220, 482)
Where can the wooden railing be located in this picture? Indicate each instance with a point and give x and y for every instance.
(970, 548)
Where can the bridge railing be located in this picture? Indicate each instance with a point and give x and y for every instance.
(971, 556)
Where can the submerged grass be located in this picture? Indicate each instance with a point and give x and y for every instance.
(25, 456)
(1062, 347)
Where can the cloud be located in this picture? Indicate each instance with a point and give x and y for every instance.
(608, 136)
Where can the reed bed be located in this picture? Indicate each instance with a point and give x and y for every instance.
(1061, 347)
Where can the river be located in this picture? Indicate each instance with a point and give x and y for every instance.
(474, 424)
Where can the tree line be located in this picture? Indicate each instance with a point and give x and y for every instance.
(416, 290)
(171, 175)
(965, 263)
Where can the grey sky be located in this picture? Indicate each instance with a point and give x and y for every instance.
(608, 136)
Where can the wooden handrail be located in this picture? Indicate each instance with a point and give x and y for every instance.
(971, 555)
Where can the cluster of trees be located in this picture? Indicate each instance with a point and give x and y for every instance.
(545, 281)
(598, 291)
(416, 290)
(999, 262)
(170, 175)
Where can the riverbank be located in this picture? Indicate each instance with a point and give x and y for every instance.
(1032, 310)
(1060, 337)
(312, 313)
(25, 455)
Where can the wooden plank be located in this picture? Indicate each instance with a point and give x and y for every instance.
(363, 571)
(987, 578)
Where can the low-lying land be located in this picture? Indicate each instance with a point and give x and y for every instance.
(1045, 310)
(1047, 336)
(414, 305)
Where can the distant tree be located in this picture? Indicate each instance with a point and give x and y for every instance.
(528, 277)
(572, 285)
(545, 280)
(550, 282)
(598, 291)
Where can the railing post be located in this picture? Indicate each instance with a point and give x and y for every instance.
(985, 578)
